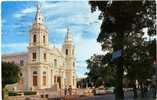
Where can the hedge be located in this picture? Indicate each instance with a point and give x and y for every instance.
(25, 93)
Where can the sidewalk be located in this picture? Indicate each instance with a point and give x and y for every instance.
(129, 96)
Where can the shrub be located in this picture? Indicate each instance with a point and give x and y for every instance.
(12, 93)
(30, 93)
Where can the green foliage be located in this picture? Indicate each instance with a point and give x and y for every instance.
(12, 93)
(122, 28)
(100, 70)
(128, 16)
(152, 49)
(122, 18)
(25, 93)
(5, 93)
(30, 93)
(10, 73)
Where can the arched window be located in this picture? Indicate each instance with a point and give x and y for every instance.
(44, 39)
(66, 51)
(55, 62)
(44, 78)
(73, 52)
(34, 56)
(21, 62)
(20, 74)
(45, 56)
(34, 38)
(73, 80)
(73, 64)
(35, 82)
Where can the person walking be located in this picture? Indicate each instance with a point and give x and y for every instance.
(145, 90)
(65, 90)
(70, 90)
(153, 88)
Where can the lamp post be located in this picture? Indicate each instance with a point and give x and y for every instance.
(155, 76)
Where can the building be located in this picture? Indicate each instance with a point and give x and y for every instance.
(42, 66)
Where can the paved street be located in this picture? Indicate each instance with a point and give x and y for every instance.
(111, 97)
(128, 96)
(104, 97)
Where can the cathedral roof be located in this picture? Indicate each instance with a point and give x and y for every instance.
(38, 17)
(56, 51)
(15, 54)
(68, 35)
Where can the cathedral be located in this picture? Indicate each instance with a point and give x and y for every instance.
(42, 66)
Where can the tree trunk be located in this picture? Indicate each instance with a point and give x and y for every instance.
(119, 83)
(142, 89)
(119, 69)
(134, 89)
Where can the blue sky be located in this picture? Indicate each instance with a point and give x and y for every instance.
(17, 17)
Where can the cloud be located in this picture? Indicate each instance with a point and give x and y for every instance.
(24, 12)
(83, 24)
(76, 15)
(14, 47)
(84, 49)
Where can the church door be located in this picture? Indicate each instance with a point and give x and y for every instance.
(59, 81)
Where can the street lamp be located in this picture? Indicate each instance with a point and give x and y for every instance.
(155, 76)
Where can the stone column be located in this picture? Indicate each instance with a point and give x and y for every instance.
(62, 80)
(40, 78)
(52, 78)
(30, 79)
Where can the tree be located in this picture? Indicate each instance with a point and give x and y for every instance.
(138, 62)
(100, 70)
(10, 74)
(121, 20)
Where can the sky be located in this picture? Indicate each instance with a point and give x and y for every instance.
(17, 18)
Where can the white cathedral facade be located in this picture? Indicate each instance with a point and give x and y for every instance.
(44, 67)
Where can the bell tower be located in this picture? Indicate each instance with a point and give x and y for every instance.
(38, 32)
(68, 49)
(38, 53)
(38, 42)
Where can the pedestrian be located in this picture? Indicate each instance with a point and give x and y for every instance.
(65, 90)
(94, 91)
(70, 90)
(153, 88)
(145, 90)
(135, 91)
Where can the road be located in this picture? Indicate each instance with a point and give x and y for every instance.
(128, 96)
(106, 97)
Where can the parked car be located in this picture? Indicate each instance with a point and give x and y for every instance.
(100, 90)
(88, 92)
(110, 90)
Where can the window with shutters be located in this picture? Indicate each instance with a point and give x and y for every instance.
(44, 78)
(21, 62)
(44, 39)
(35, 78)
(34, 56)
(55, 62)
(34, 38)
(45, 56)
(66, 51)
